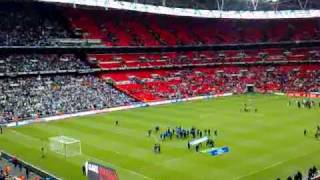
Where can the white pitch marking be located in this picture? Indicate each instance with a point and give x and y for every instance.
(131, 171)
(254, 172)
(272, 165)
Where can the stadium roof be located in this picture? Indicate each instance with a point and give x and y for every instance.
(236, 5)
(235, 9)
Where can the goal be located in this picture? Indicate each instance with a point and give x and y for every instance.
(64, 145)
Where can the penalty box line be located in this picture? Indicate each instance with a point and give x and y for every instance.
(90, 157)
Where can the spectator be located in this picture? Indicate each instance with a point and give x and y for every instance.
(2, 175)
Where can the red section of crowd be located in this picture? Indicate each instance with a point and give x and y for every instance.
(155, 85)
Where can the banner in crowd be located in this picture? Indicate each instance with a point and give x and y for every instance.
(96, 171)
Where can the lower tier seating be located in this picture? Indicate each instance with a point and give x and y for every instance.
(183, 83)
(24, 98)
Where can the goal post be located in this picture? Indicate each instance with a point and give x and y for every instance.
(64, 145)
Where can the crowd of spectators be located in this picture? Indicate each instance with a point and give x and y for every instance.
(13, 169)
(34, 97)
(21, 25)
(31, 63)
(312, 174)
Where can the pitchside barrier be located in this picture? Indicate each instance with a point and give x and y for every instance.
(306, 95)
(300, 94)
(137, 105)
(95, 171)
(43, 174)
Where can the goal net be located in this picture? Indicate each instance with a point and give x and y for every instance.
(64, 145)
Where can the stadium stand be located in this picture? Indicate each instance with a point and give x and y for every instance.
(122, 28)
(112, 61)
(30, 25)
(35, 62)
(174, 84)
(34, 97)
(34, 86)
(146, 77)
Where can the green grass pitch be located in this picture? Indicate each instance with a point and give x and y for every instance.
(263, 145)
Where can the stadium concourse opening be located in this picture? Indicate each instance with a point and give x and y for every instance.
(106, 71)
(250, 88)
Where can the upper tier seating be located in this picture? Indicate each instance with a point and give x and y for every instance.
(124, 28)
(30, 25)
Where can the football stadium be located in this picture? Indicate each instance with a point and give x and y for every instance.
(160, 89)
